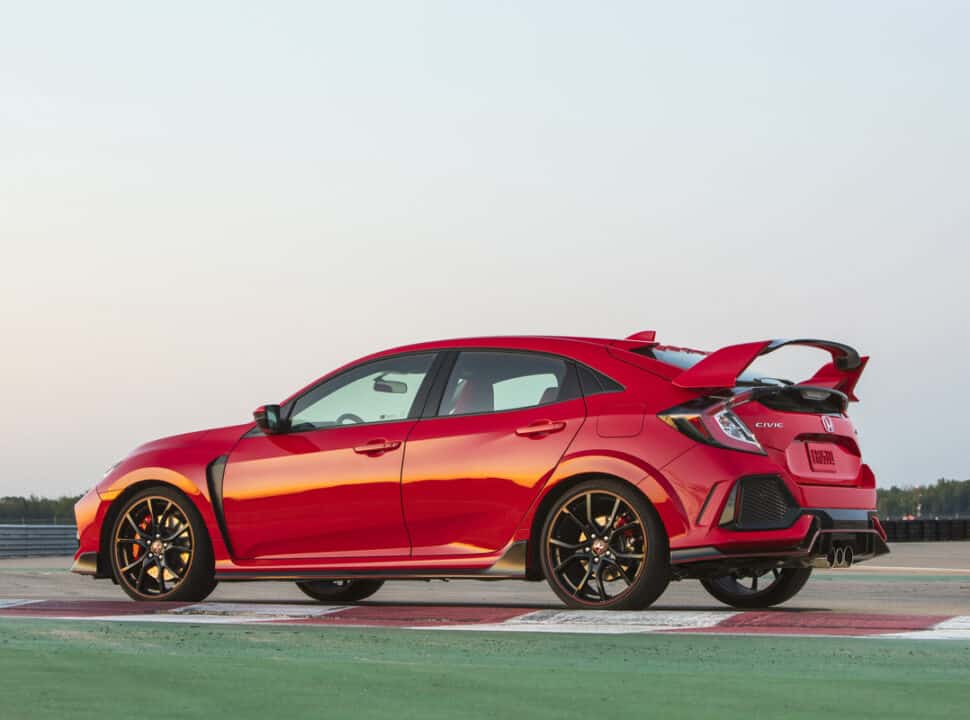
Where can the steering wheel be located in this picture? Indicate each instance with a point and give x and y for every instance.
(347, 418)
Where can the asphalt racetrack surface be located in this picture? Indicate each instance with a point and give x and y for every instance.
(930, 578)
(299, 659)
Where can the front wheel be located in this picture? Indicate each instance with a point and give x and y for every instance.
(605, 547)
(160, 549)
(757, 588)
(340, 590)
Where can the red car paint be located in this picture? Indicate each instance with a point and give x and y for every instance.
(449, 495)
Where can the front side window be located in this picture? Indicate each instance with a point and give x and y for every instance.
(380, 391)
(483, 382)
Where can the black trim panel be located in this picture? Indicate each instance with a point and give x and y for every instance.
(214, 474)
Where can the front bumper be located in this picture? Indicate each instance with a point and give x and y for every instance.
(86, 563)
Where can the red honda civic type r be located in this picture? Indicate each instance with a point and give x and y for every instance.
(606, 467)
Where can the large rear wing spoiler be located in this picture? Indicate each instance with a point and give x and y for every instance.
(721, 368)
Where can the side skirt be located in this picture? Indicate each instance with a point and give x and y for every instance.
(511, 566)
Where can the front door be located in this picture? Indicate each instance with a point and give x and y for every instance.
(329, 487)
(472, 471)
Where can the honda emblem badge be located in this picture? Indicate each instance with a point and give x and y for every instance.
(828, 424)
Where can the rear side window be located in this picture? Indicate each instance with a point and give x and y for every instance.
(489, 381)
(594, 382)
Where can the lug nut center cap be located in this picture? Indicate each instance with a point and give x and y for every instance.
(600, 547)
(157, 547)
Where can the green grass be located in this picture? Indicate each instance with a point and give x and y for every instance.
(54, 669)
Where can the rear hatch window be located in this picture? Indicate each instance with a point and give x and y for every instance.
(684, 358)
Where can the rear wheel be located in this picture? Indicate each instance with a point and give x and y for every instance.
(758, 588)
(160, 549)
(604, 547)
(340, 590)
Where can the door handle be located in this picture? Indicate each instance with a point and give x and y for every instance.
(377, 446)
(540, 427)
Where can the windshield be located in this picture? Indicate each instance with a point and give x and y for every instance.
(684, 358)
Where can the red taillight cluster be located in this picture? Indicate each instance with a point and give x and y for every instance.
(711, 421)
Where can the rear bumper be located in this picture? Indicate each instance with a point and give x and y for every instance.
(812, 535)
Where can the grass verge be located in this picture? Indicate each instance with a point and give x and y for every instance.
(55, 669)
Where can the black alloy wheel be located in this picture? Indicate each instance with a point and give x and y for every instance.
(160, 549)
(604, 547)
(757, 588)
(340, 590)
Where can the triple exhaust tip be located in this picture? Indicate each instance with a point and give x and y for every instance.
(840, 557)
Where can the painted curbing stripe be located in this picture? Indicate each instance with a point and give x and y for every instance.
(259, 611)
(418, 616)
(599, 622)
(504, 619)
(794, 622)
(955, 628)
(17, 603)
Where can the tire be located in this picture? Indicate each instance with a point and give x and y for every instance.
(588, 558)
(732, 590)
(160, 548)
(328, 591)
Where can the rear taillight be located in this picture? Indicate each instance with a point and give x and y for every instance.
(712, 422)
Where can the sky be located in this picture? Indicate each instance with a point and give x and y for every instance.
(203, 206)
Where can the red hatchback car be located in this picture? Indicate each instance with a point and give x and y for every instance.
(606, 467)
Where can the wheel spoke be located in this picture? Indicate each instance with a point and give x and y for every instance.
(151, 514)
(582, 583)
(599, 583)
(560, 543)
(568, 560)
(161, 518)
(626, 526)
(589, 511)
(180, 548)
(132, 564)
(626, 578)
(754, 583)
(628, 556)
(134, 525)
(579, 523)
(616, 508)
(182, 530)
(141, 576)
(161, 575)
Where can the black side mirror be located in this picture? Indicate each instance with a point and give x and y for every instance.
(268, 419)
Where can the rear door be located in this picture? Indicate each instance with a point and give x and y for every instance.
(473, 469)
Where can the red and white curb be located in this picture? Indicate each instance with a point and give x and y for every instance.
(506, 619)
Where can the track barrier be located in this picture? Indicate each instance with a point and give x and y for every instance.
(37, 540)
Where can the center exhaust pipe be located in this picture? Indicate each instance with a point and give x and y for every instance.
(838, 557)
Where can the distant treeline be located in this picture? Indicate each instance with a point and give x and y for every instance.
(34, 509)
(946, 499)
